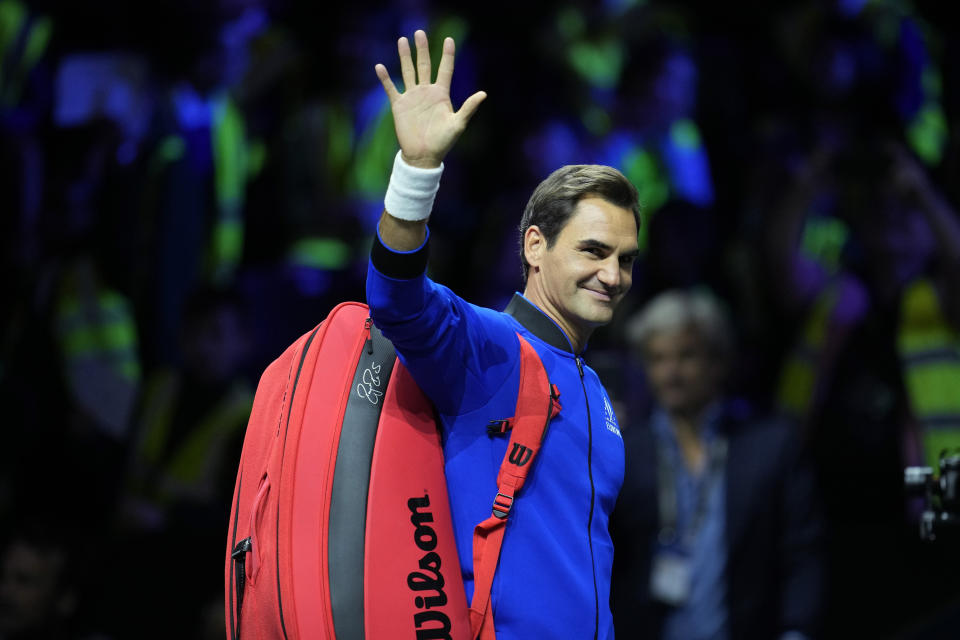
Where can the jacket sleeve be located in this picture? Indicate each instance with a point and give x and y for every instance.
(457, 352)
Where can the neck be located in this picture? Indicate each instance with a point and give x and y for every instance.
(688, 429)
(689, 423)
(577, 337)
(690, 419)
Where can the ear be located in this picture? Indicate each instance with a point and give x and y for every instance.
(534, 245)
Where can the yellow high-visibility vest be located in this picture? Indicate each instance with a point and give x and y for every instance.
(929, 350)
(230, 166)
(800, 377)
(929, 354)
(102, 330)
(97, 336)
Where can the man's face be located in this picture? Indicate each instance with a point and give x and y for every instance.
(589, 268)
(683, 373)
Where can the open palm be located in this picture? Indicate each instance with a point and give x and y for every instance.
(425, 122)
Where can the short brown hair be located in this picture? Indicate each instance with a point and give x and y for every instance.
(554, 199)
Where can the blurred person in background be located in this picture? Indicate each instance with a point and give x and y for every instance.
(181, 466)
(191, 421)
(74, 373)
(717, 529)
(873, 369)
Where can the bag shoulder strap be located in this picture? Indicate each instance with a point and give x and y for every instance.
(537, 403)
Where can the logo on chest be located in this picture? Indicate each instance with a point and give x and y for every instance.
(610, 418)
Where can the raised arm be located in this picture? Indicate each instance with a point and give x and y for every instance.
(426, 127)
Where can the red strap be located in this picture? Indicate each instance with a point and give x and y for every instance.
(536, 404)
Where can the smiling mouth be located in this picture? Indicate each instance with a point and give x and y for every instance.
(603, 296)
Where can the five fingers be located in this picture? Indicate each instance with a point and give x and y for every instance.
(423, 72)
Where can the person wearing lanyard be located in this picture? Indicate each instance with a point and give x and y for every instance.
(717, 528)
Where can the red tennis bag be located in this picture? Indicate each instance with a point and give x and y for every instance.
(340, 524)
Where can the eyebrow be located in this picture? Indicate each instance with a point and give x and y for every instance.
(596, 244)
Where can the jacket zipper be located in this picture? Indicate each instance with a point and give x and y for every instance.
(593, 563)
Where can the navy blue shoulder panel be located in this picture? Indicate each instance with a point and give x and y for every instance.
(351, 484)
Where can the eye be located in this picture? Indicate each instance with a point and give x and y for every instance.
(596, 252)
(627, 261)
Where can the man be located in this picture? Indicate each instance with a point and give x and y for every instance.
(717, 531)
(578, 246)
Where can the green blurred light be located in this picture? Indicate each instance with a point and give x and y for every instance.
(374, 157)
(823, 240)
(12, 16)
(37, 42)
(641, 168)
(339, 140)
(927, 133)
(684, 134)
(256, 157)
(328, 254)
(600, 63)
(171, 148)
(226, 249)
(596, 120)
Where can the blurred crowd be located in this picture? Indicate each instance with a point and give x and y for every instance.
(187, 187)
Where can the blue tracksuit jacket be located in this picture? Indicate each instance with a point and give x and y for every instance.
(553, 579)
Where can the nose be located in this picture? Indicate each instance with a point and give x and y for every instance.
(610, 274)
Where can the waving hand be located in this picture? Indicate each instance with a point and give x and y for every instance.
(425, 122)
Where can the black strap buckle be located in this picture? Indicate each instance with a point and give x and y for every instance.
(497, 427)
(501, 505)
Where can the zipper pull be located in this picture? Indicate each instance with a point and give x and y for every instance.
(368, 325)
(579, 366)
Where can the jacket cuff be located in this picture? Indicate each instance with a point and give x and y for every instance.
(402, 265)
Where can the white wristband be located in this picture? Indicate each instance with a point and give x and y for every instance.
(411, 190)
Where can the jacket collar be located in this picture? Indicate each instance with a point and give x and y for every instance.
(538, 323)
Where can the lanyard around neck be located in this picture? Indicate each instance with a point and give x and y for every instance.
(667, 490)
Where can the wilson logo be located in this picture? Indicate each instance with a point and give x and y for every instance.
(428, 582)
(520, 455)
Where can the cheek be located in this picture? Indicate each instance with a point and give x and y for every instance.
(656, 373)
(694, 373)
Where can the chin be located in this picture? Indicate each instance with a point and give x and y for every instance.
(599, 318)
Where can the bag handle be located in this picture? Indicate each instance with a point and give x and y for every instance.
(537, 403)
